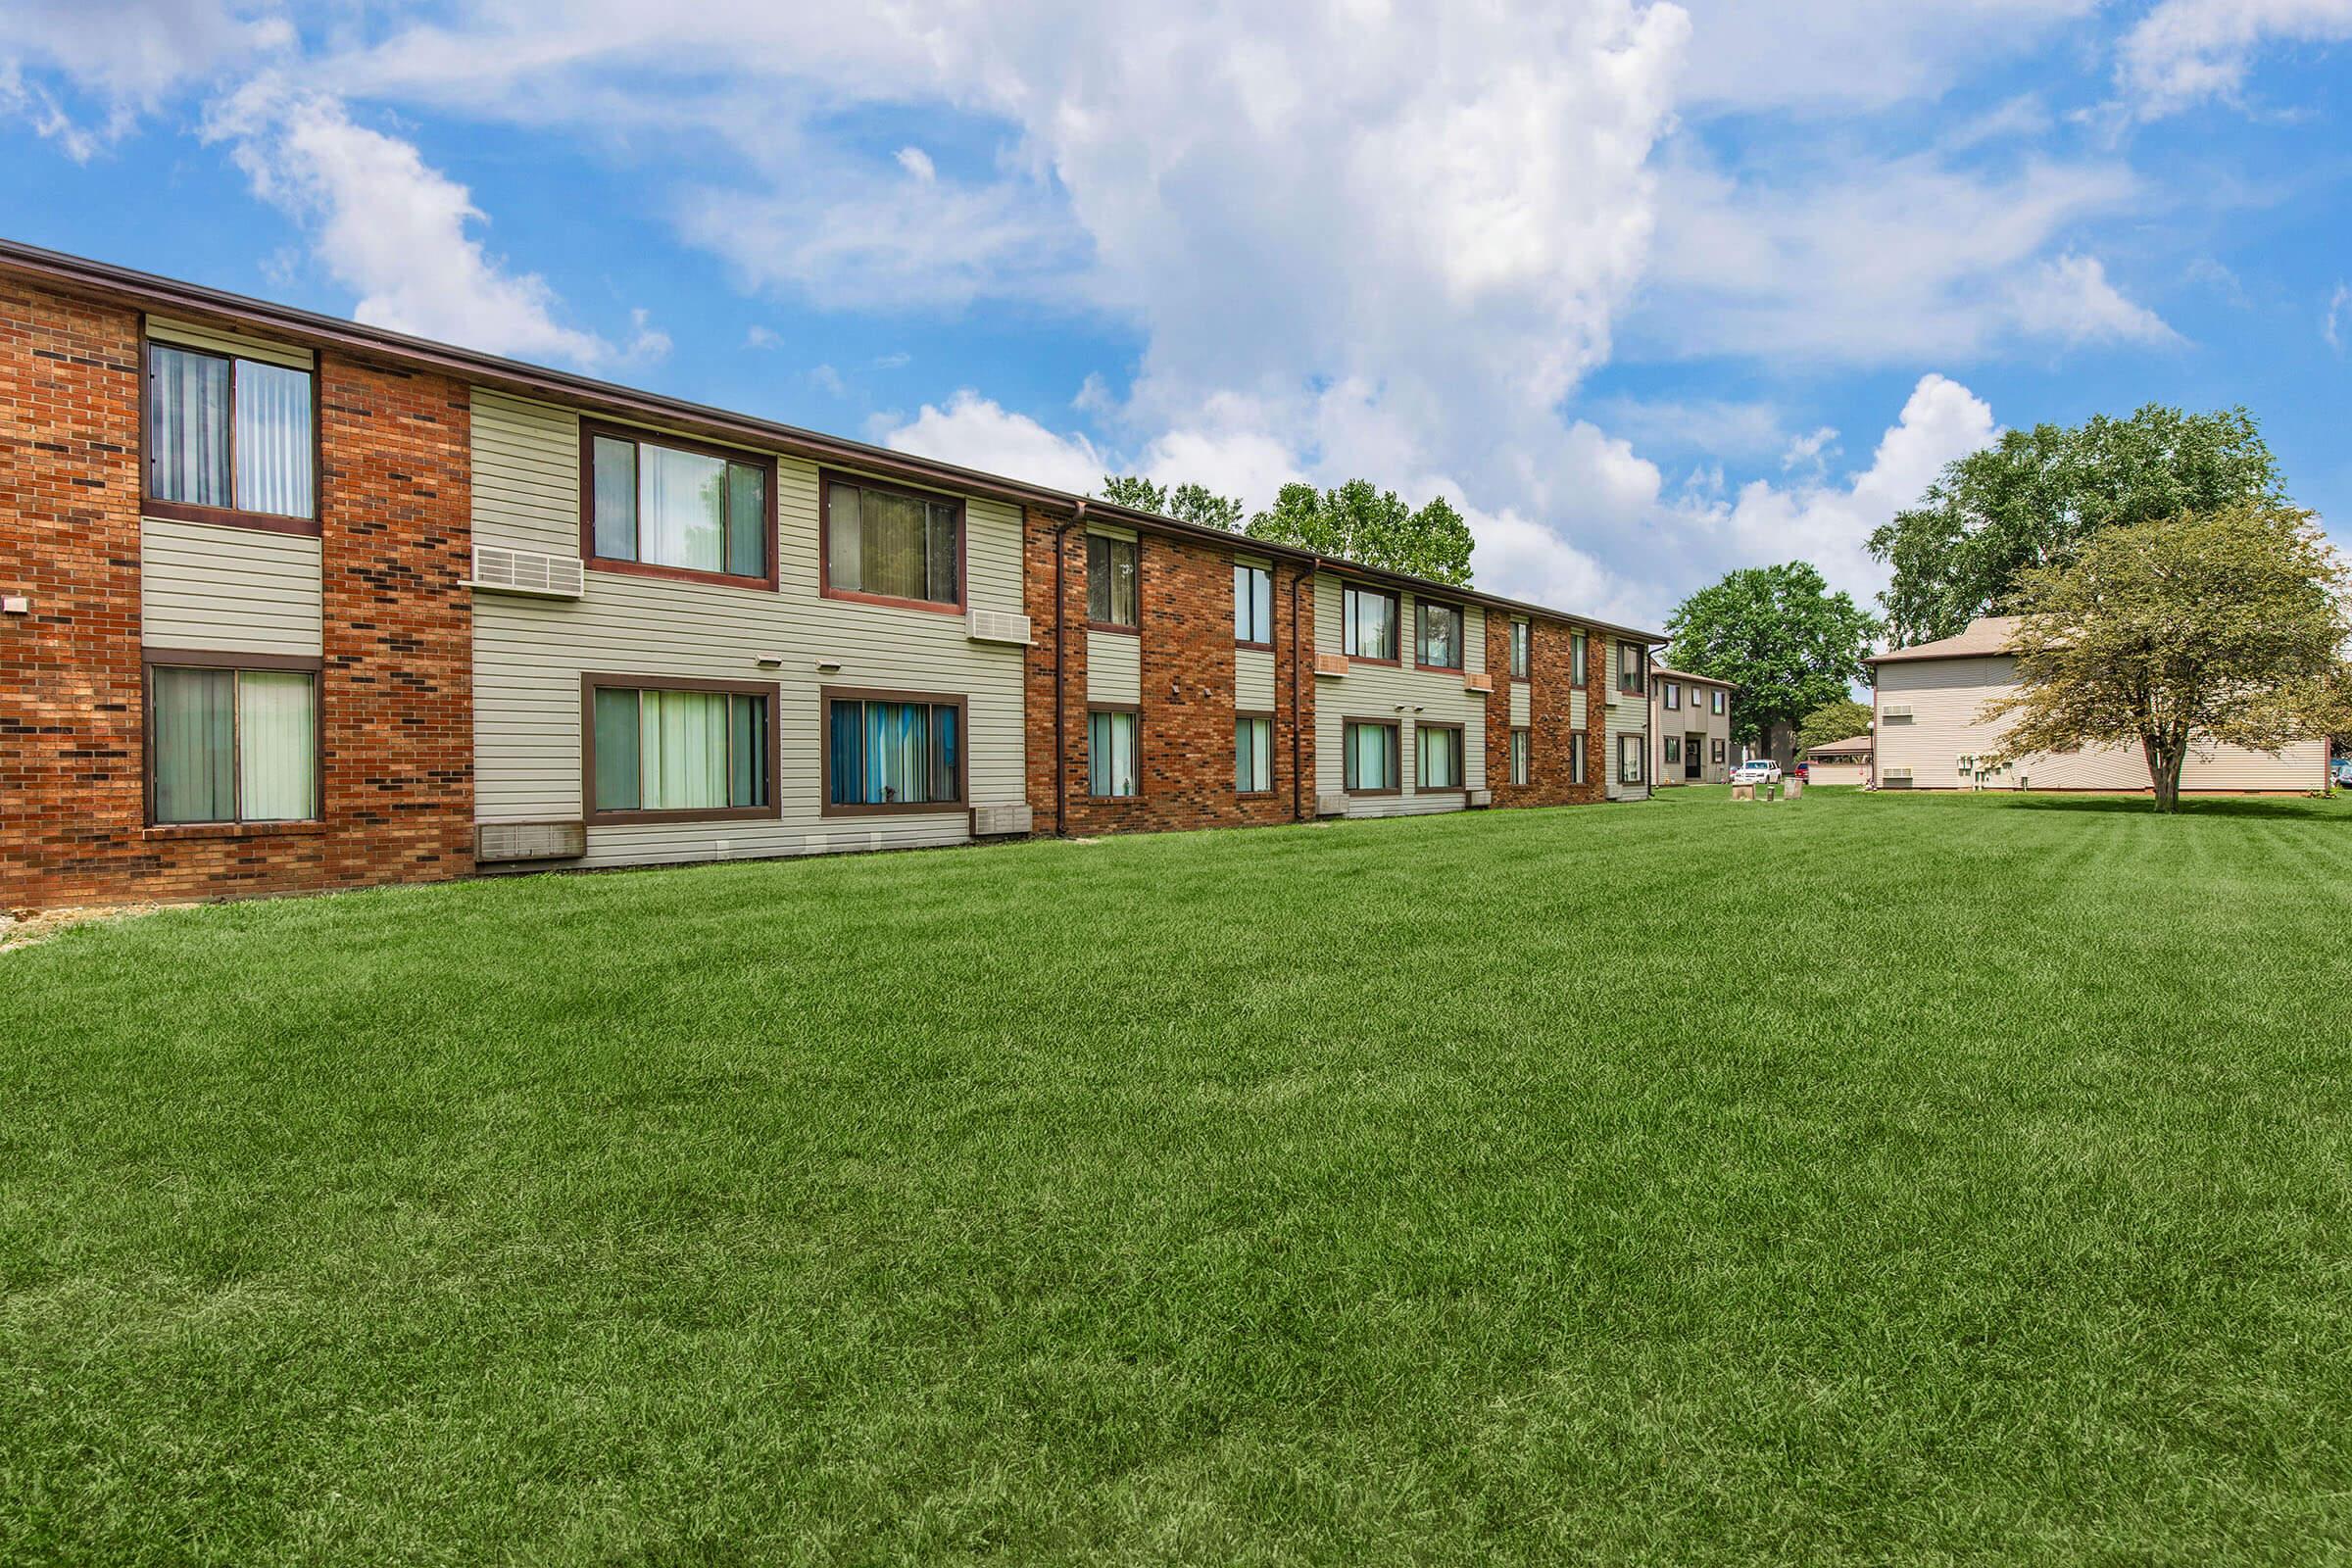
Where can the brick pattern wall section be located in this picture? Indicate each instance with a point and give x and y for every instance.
(1187, 691)
(396, 691)
(1551, 716)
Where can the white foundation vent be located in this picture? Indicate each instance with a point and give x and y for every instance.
(506, 570)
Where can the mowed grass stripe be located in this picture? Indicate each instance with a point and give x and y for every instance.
(1854, 1178)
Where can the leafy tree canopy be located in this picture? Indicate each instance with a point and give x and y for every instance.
(1841, 721)
(2227, 626)
(1373, 527)
(2033, 499)
(1186, 502)
(1788, 645)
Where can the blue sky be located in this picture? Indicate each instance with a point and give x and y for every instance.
(1650, 290)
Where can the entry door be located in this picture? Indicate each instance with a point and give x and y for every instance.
(1694, 748)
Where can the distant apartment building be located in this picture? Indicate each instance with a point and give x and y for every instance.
(1690, 718)
(288, 603)
(1930, 732)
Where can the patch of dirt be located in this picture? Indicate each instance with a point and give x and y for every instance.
(23, 930)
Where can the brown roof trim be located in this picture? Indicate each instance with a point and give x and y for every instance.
(1672, 673)
(147, 291)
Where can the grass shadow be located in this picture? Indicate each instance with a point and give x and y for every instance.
(2283, 806)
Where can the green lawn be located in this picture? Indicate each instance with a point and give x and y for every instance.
(1859, 1179)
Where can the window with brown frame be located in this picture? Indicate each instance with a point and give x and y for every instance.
(1628, 759)
(1114, 745)
(1523, 637)
(1674, 749)
(1576, 756)
(1522, 755)
(232, 738)
(1633, 668)
(1673, 693)
(892, 752)
(1253, 754)
(657, 749)
(672, 508)
(1370, 755)
(1719, 751)
(1369, 624)
(1715, 704)
(1577, 647)
(1112, 581)
(230, 440)
(1438, 642)
(890, 546)
(1252, 605)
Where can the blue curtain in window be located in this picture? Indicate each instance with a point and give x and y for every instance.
(848, 784)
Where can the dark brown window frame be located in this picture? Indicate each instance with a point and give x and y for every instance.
(590, 429)
(1511, 759)
(1715, 699)
(827, 696)
(1395, 729)
(825, 480)
(1272, 753)
(1719, 750)
(1580, 658)
(1461, 747)
(1641, 756)
(1268, 642)
(1396, 620)
(1121, 627)
(1142, 780)
(1522, 670)
(773, 811)
(1632, 682)
(152, 659)
(1461, 621)
(1670, 695)
(1673, 747)
(1580, 769)
(153, 506)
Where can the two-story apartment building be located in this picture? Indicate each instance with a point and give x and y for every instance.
(288, 603)
(1691, 722)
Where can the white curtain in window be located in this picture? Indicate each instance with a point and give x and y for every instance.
(195, 744)
(681, 508)
(187, 426)
(1368, 748)
(1440, 768)
(278, 749)
(1110, 754)
(273, 439)
(682, 738)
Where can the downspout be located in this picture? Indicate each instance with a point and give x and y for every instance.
(1062, 644)
(1298, 671)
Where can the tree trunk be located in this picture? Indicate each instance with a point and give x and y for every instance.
(2165, 755)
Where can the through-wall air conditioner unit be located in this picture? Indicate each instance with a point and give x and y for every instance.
(1331, 663)
(1009, 819)
(1478, 798)
(1481, 682)
(1896, 711)
(496, 843)
(503, 569)
(997, 626)
(1331, 805)
(1893, 773)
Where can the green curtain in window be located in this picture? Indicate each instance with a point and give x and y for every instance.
(895, 529)
(1253, 755)
(195, 744)
(618, 768)
(274, 441)
(747, 521)
(187, 426)
(277, 753)
(615, 464)
(1440, 758)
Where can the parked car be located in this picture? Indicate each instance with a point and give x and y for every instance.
(1804, 770)
(1757, 771)
(2343, 773)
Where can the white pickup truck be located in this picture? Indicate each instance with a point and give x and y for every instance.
(1757, 771)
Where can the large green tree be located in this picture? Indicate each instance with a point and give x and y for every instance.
(1785, 641)
(2175, 633)
(2033, 498)
(1841, 721)
(1357, 522)
(1186, 502)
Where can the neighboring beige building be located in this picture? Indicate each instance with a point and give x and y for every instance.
(1930, 735)
(1845, 761)
(1690, 728)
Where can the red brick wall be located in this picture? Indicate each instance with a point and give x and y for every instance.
(1187, 691)
(396, 691)
(1550, 717)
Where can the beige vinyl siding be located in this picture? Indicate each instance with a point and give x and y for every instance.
(1693, 718)
(1946, 697)
(220, 341)
(230, 590)
(1114, 667)
(1835, 774)
(1626, 716)
(1523, 707)
(1378, 692)
(1576, 708)
(529, 655)
(1252, 680)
